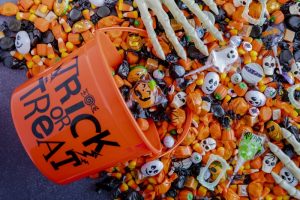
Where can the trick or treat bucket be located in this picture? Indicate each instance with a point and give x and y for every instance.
(73, 121)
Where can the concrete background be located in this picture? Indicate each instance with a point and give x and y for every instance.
(19, 178)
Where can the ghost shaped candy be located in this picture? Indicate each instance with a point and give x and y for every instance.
(152, 168)
(296, 70)
(211, 82)
(22, 42)
(288, 177)
(224, 58)
(269, 162)
(255, 98)
(269, 64)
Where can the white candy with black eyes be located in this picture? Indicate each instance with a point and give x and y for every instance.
(269, 162)
(288, 177)
(22, 42)
(269, 65)
(296, 70)
(179, 100)
(238, 3)
(255, 98)
(152, 168)
(211, 82)
(224, 58)
(208, 144)
(295, 9)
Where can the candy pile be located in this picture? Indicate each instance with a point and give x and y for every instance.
(238, 80)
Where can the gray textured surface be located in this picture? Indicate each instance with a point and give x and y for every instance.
(19, 178)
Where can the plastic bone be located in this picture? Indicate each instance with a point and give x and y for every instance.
(290, 189)
(291, 139)
(201, 177)
(251, 20)
(285, 160)
(156, 7)
(291, 91)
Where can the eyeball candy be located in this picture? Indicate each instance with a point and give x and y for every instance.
(270, 92)
(255, 98)
(211, 82)
(22, 42)
(236, 78)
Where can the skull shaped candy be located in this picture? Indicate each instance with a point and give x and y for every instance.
(208, 144)
(211, 82)
(269, 65)
(296, 70)
(255, 98)
(179, 100)
(269, 162)
(224, 58)
(295, 9)
(238, 3)
(152, 168)
(288, 177)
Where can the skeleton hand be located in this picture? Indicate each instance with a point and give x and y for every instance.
(156, 7)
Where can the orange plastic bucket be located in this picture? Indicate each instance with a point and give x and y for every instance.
(72, 119)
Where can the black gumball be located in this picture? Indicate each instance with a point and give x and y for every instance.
(123, 69)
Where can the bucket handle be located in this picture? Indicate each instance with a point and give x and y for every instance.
(188, 121)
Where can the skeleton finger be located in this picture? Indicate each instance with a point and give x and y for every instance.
(203, 18)
(288, 163)
(146, 17)
(163, 18)
(291, 139)
(212, 5)
(180, 18)
(291, 190)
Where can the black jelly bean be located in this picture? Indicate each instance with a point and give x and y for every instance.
(6, 43)
(194, 53)
(75, 15)
(289, 150)
(179, 182)
(217, 110)
(285, 57)
(103, 11)
(297, 55)
(48, 37)
(293, 23)
(14, 25)
(256, 31)
(123, 69)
